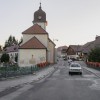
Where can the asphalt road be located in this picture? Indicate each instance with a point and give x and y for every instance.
(60, 86)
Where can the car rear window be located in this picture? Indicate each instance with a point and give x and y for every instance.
(75, 65)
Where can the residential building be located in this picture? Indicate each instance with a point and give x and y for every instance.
(74, 51)
(61, 51)
(12, 51)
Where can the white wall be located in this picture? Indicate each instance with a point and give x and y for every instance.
(29, 57)
(42, 24)
(42, 38)
(72, 56)
(12, 56)
(51, 52)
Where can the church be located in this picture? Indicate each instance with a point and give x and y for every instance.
(36, 47)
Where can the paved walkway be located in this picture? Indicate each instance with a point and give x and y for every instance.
(94, 71)
(9, 83)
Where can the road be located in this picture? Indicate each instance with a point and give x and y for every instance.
(60, 86)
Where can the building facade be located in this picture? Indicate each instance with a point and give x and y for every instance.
(12, 51)
(36, 47)
(74, 52)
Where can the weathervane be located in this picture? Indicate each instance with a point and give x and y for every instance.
(40, 3)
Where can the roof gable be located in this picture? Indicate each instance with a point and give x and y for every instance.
(70, 51)
(61, 48)
(35, 29)
(76, 48)
(33, 43)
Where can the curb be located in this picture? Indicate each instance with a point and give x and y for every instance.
(92, 72)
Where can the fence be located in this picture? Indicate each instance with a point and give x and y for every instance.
(11, 71)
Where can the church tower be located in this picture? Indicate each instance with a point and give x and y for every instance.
(40, 18)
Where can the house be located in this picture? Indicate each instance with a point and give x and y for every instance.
(12, 51)
(74, 51)
(36, 47)
(61, 51)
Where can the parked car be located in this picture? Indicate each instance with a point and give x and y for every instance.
(69, 61)
(75, 68)
(65, 58)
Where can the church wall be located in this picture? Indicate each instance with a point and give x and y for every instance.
(30, 57)
(42, 38)
(51, 53)
(42, 24)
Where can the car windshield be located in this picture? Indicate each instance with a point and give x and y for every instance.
(75, 65)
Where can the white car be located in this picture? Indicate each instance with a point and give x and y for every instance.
(75, 68)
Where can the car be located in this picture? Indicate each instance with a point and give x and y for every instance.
(75, 68)
(65, 58)
(69, 61)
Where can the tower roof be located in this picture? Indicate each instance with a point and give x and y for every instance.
(39, 15)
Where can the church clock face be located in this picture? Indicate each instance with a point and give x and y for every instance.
(39, 17)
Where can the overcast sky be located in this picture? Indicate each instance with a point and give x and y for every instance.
(72, 22)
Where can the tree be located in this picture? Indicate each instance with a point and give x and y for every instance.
(11, 40)
(94, 55)
(5, 58)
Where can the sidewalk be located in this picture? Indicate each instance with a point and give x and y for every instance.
(9, 83)
(92, 70)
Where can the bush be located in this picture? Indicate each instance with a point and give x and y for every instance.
(94, 55)
(5, 58)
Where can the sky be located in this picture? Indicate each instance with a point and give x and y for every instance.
(71, 22)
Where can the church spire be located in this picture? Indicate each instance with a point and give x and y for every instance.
(40, 17)
(40, 6)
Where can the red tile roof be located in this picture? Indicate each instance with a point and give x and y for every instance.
(35, 29)
(33, 43)
(76, 48)
(61, 48)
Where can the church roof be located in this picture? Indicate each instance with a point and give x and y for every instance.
(35, 29)
(33, 43)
